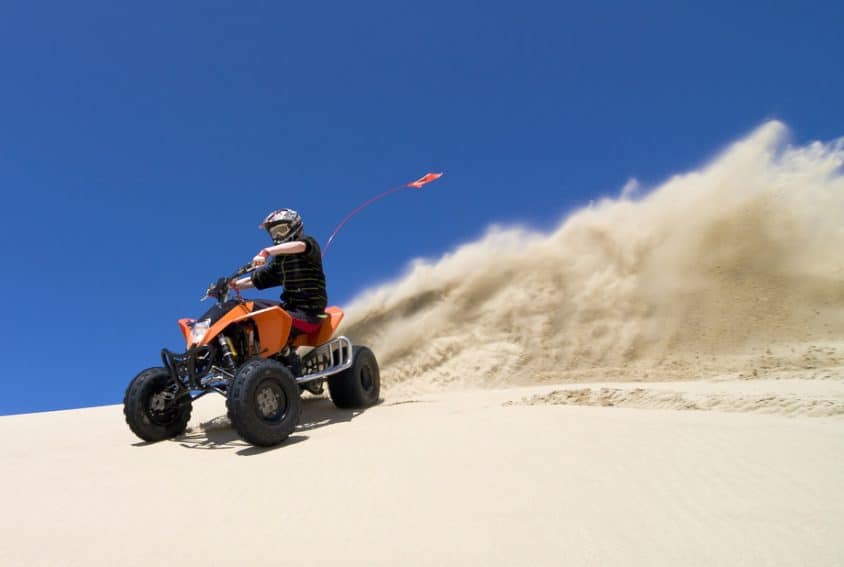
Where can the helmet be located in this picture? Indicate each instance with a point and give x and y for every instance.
(283, 225)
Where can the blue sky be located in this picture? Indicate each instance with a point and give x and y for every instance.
(140, 144)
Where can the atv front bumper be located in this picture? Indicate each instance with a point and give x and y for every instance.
(190, 367)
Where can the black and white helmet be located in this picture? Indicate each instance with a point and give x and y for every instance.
(283, 225)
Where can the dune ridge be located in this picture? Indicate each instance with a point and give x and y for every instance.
(645, 398)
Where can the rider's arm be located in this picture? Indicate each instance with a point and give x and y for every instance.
(295, 247)
(265, 276)
(242, 283)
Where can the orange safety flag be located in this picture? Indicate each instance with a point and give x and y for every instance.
(427, 178)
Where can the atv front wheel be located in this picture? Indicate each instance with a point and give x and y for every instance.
(152, 407)
(263, 402)
(359, 386)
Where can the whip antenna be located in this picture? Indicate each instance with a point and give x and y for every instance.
(425, 179)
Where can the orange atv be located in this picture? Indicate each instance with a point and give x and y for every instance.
(244, 349)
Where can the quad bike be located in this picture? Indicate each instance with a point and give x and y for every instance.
(246, 350)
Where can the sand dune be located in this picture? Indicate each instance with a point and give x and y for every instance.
(443, 479)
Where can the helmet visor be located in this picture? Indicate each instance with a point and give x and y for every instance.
(279, 231)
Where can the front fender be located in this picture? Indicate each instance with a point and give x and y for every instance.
(273, 325)
(235, 314)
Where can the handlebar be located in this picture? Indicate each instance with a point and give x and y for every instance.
(245, 269)
(219, 289)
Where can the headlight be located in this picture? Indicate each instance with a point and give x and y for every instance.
(199, 329)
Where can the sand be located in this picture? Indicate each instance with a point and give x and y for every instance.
(520, 476)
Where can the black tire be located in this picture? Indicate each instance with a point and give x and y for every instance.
(359, 386)
(263, 402)
(150, 415)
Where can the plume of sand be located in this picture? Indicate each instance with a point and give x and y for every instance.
(742, 254)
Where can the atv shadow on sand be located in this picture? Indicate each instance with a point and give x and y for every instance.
(218, 432)
(319, 412)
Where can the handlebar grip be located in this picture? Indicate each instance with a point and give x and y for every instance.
(243, 270)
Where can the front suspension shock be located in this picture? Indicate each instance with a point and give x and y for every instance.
(228, 352)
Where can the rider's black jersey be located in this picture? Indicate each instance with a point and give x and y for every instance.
(302, 278)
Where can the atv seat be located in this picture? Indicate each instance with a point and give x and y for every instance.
(329, 325)
(261, 303)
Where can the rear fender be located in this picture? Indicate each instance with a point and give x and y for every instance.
(326, 331)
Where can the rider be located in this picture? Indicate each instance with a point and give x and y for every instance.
(295, 262)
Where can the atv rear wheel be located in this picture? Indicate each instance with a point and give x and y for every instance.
(152, 407)
(359, 386)
(263, 402)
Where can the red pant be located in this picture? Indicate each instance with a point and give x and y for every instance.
(305, 327)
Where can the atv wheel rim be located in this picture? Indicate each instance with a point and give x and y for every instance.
(270, 401)
(162, 408)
